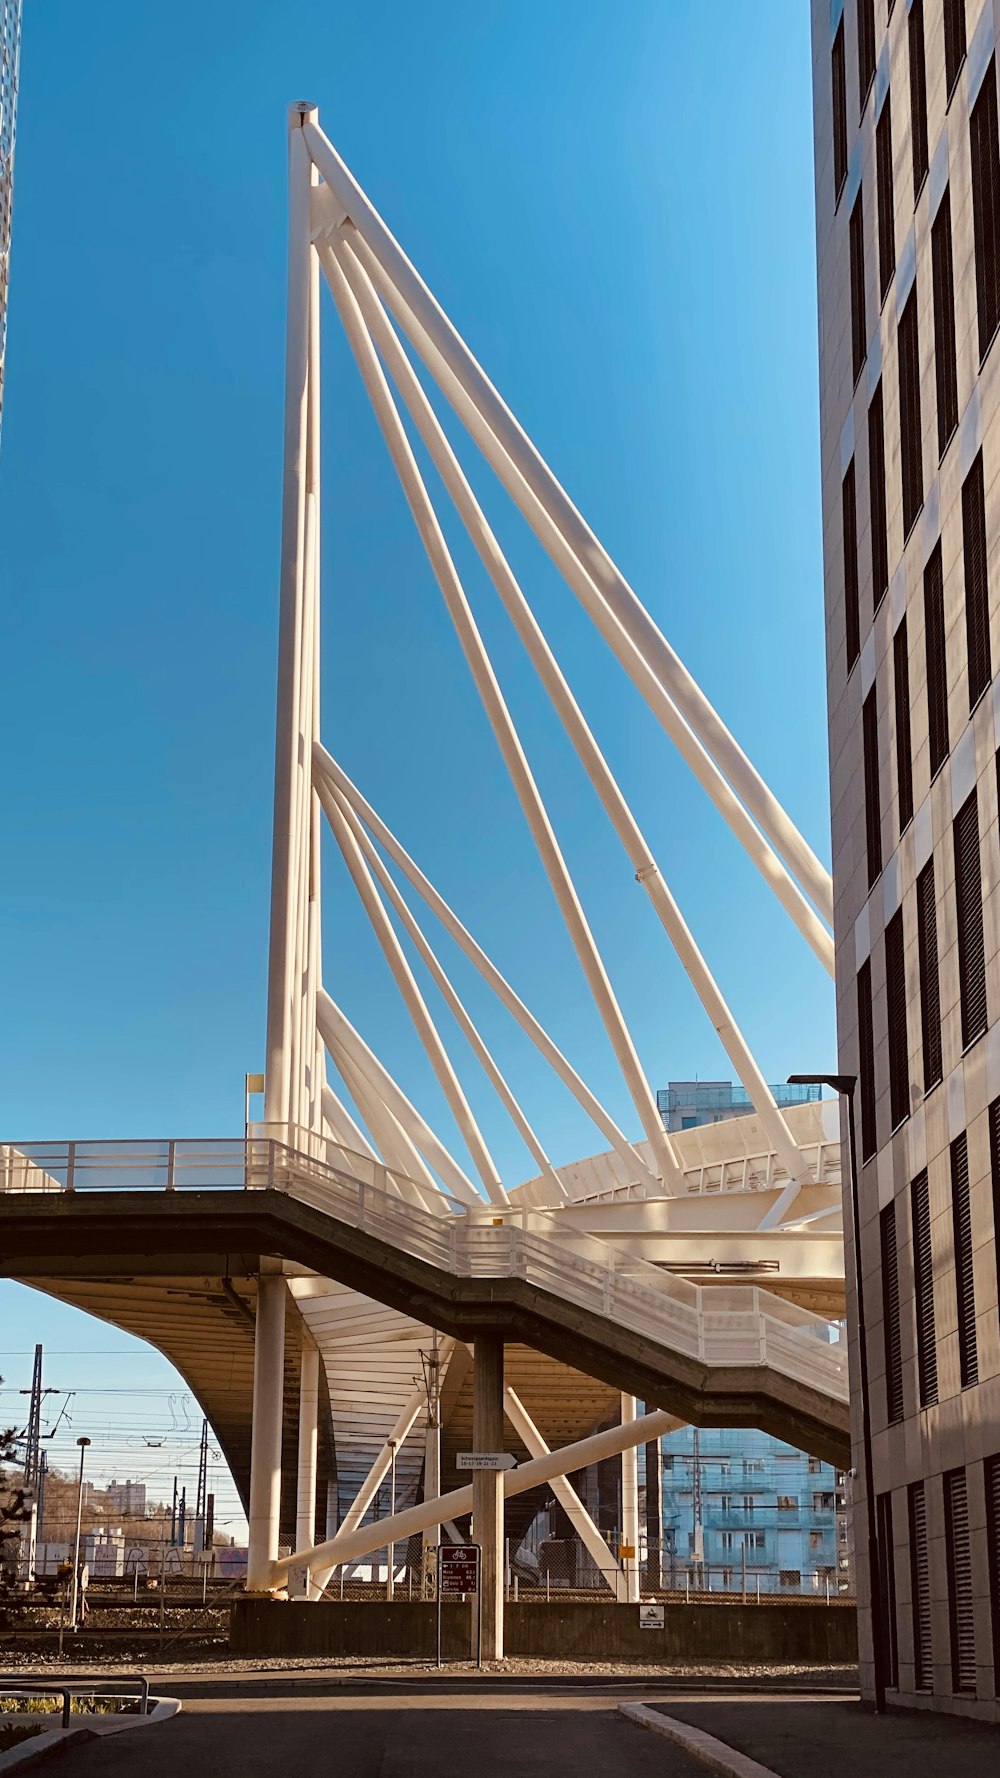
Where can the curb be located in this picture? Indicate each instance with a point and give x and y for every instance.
(39, 1748)
(713, 1753)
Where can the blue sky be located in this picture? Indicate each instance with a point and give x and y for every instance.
(615, 206)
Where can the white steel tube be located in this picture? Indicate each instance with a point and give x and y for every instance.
(308, 1447)
(454, 1003)
(499, 717)
(328, 767)
(343, 1125)
(630, 1505)
(682, 688)
(286, 853)
(376, 1475)
(413, 1000)
(339, 1034)
(398, 1152)
(601, 777)
(603, 1558)
(265, 1431)
(351, 1546)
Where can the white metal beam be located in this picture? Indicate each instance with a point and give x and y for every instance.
(603, 1558)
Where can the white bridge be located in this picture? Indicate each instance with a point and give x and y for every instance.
(702, 1272)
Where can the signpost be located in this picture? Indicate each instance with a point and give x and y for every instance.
(458, 1575)
(485, 1460)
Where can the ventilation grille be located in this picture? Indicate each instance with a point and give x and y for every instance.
(923, 1285)
(937, 662)
(977, 607)
(995, 1173)
(945, 364)
(852, 619)
(911, 445)
(991, 1477)
(887, 1576)
(920, 1589)
(866, 1061)
(965, 1289)
(930, 991)
(918, 95)
(904, 752)
(873, 809)
(838, 71)
(969, 910)
(954, 41)
(895, 1000)
(876, 490)
(961, 1608)
(985, 148)
(883, 188)
(857, 252)
(890, 1315)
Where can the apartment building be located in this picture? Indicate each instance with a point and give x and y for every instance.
(907, 153)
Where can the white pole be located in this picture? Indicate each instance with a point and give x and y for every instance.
(265, 1433)
(401, 1157)
(308, 1449)
(418, 301)
(390, 1578)
(616, 807)
(282, 1002)
(455, 1005)
(604, 1559)
(338, 1033)
(637, 1168)
(413, 1000)
(630, 1504)
(343, 1125)
(351, 1546)
(499, 717)
(83, 1443)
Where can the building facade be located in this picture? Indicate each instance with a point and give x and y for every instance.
(685, 1104)
(907, 163)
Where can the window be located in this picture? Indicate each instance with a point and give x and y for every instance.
(930, 991)
(838, 71)
(904, 754)
(753, 1540)
(923, 1284)
(866, 1061)
(910, 438)
(954, 41)
(895, 1001)
(753, 1466)
(920, 1589)
(969, 909)
(725, 1503)
(986, 207)
(991, 1476)
(995, 1174)
(876, 489)
(815, 1540)
(787, 1503)
(945, 361)
(977, 608)
(790, 1577)
(866, 50)
(883, 190)
(918, 96)
(873, 810)
(961, 1610)
(748, 1504)
(859, 326)
(887, 1576)
(937, 664)
(852, 617)
(814, 1466)
(823, 1503)
(890, 1315)
(726, 1540)
(965, 1289)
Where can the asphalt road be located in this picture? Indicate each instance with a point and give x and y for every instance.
(388, 1735)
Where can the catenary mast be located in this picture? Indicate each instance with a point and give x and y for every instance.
(10, 45)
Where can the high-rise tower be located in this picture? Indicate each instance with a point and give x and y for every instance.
(10, 45)
(908, 254)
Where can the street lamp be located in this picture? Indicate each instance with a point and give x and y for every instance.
(844, 1084)
(390, 1578)
(83, 1443)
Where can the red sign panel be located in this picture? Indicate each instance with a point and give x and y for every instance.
(458, 1568)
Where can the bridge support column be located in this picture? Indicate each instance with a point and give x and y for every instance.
(305, 1500)
(630, 1507)
(265, 1431)
(487, 1487)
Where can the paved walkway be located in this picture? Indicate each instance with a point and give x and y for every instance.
(824, 1738)
(389, 1735)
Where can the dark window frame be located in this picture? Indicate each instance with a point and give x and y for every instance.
(911, 454)
(866, 1063)
(884, 201)
(984, 146)
(936, 660)
(873, 795)
(918, 97)
(969, 920)
(923, 1290)
(891, 1330)
(838, 82)
(930, 981)
(954, 43)
(904, 740)
(977, 591)
(965, 1284)
(961, 1597)
(945, 347)
(852, 589)
(878, 512)
(859, 307)
(896, 1021)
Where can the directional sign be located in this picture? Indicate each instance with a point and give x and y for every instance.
(458, 1568)
(651, 1617)
(485, 1460)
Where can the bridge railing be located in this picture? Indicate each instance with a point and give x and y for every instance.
(717, 1324)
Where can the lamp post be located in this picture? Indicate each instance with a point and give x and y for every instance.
(844, 1084)
(83, 1443)
(390, 1578)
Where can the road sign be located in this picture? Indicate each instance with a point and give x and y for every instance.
(485, 1460)
(458, 1568)
(651, 1617)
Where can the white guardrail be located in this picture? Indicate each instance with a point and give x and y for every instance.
(717, 1324)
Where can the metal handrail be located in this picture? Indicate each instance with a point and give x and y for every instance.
(86, 1685)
